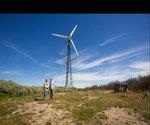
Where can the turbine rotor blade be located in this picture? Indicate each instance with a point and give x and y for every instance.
(74, 47)
(58, 35)
(73, 30)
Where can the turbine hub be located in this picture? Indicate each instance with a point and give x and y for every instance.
(69, 38)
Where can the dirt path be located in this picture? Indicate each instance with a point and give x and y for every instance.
(123, 116)
(39, 114)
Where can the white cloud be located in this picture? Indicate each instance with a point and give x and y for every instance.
(144, 66)
(81, 60)
(11, 72)
(83, 79)
(61, 61)
(126, 57)
(13, 47)
(110, 40)
(51, 67)
(119, 56)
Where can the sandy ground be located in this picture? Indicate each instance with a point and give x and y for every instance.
(123, 116)
(39, 114)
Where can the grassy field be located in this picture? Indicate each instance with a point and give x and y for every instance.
(83, 106)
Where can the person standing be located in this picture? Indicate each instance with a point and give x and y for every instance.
(51, 88)
(46, 89)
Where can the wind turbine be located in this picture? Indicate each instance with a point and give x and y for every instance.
(69, 79)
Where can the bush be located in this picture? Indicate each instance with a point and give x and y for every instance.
(12, 89)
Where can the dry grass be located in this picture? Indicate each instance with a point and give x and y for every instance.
(83, 105)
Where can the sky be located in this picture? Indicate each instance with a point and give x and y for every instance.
(111, 47)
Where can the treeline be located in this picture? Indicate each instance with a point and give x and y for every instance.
(141, 83)
(12, 89)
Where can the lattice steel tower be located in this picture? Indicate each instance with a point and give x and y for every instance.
(69, 79)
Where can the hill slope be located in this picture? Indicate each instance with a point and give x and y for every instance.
(10, 88)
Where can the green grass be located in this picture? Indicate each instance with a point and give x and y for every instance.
(7, 108)
(8, 105)
(84, 105)
(106, 100)
(83, 113)
(83, 108)
(14, 120)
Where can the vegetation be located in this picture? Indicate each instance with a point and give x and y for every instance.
(83, 104)
(142, 83)
(103, 101)
(12, 89)
(11, 95)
